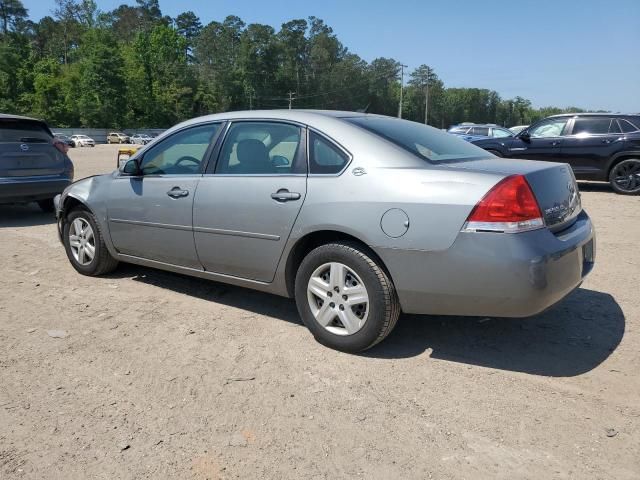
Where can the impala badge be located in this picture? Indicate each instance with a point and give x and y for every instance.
(358, 171)
(24, 147)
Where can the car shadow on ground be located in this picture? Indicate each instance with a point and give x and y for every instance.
(24, 215)
(572, 338)
(595, 187)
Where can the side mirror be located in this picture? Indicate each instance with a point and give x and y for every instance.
(524, 136)
(132, 167)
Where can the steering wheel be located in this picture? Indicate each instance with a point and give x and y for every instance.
(187, 158)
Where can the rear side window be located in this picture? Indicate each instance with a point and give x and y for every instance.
(484, 131)
(627, 126)
(20, 131)
(324, 156)
(593, 126)
(425, 142)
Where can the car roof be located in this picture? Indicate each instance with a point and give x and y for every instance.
(594, 114)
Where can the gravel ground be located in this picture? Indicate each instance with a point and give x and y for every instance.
(157, 375)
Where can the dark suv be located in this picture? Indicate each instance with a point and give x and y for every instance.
(31, 168)
(602, 147)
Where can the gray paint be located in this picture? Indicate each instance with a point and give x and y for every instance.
(230, 229)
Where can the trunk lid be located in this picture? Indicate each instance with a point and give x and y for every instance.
(553, 184)
(26, 149)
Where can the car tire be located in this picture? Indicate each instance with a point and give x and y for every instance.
(625, 177)
(358, 267)
(46, 205)
(496, 153)
(102, 262)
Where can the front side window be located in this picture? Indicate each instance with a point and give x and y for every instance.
(181, 153)
(258, 148)
(549, 128)
(325, 157)
(425, 142)
(583, 126)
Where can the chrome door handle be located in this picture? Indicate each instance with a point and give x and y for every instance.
(556, 143)
(284, 195)
(177, 192)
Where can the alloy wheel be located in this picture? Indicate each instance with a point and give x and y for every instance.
(627, 176)
(82, 241)
(338, 298)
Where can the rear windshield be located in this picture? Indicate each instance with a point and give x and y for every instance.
(23, 132)
(426, 142)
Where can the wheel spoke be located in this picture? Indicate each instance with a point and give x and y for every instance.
(349, 319)
(325, 314)
(319, 288)
(337, 275)
(77, 226)
(90, 251)
(74, 241)
(356, 295)
(81, 254)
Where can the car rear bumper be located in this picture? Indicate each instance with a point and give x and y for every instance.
(494, 274)
(28, 189)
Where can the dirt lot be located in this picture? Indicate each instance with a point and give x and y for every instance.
(164, 376)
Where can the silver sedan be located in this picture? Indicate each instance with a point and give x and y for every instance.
(358, 217)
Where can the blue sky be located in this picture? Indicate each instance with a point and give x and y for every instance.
(554, 52)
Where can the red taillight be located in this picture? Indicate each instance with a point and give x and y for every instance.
(509, 206)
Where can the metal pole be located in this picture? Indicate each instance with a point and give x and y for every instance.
(426, 100)
(401, 89)
(290, 99)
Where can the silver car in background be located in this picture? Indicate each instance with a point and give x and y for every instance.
(356, 216)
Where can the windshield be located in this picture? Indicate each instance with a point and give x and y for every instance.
(426, 142)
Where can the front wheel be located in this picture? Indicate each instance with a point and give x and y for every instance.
(345, 298)
(625, 177)
(85, 245)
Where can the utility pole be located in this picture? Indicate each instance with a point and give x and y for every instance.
(426, 99)
(251, 95)
(402, 67)
(291, 99)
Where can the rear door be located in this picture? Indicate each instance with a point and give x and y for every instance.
(543, 143)
(246, 205)
(590, 145)
(26, 149)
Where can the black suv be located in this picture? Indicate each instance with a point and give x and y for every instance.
(602, 147)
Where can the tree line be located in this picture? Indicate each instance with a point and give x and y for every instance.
(135, 67)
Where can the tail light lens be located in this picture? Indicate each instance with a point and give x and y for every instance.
(509, 207)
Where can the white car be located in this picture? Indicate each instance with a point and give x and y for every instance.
(82, 141)
(518, 128)
(140, 139)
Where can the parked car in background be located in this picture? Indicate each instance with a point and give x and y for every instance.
(31, 168)
(140, 139)
(117, 137)
(82, 141)
(471, 132)
(602, 147)
(356, 216)
(518, 128)
(64, 138)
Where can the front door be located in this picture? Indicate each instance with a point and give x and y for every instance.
(543, 142)
(150, 214)
(245, 208)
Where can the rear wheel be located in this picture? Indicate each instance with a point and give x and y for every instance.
(85, 245)
(625, 177)
(345, 298)
(46, 205)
